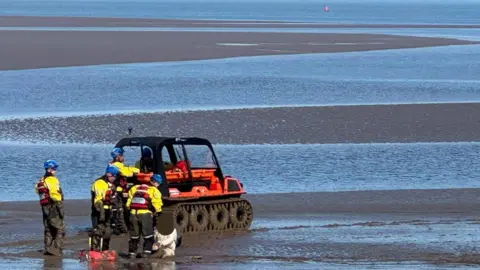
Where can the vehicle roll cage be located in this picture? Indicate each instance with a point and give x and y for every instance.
(156, 144)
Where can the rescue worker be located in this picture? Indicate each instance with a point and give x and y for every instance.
(103, 196)
(51, 199)
(145, 163)
(120, 216)
(145, 203)
(118, 159)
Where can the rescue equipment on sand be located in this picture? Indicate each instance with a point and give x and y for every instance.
(94, 255)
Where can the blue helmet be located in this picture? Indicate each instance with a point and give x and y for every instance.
(50, 164)
(146, 152)
(117, 151)
(112, 170)
(157, 178)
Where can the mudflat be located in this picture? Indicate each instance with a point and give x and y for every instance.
(66, 21)
(26, 49)
(448, 122)
(395, 226)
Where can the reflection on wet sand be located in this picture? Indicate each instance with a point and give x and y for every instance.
(52, 263)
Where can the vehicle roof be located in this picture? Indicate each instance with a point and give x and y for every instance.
(155, 142)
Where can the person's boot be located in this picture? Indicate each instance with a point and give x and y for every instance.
(54, 251)
(146, 254)
(148, 245)
(132, 247)
(106, 244)
(97, 242)
(47, 241)
(57, 244)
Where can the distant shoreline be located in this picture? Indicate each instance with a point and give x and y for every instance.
(74, 21)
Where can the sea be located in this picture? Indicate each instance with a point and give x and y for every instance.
(403, 76)
(340, 11)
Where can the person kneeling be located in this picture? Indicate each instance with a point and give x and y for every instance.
(165, 245)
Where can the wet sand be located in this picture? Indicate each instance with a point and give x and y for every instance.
(62, 21)
(434, 201)
(25, 49)
(385, 226)
(336, 124)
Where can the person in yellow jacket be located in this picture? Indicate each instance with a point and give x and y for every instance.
(51, 200)
(118, 159)
(145, 203)
(119, 212)
(103, 197)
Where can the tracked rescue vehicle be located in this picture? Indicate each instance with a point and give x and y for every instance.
(197, 196)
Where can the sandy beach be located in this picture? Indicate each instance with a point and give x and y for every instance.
(27, 49)
(447, 122)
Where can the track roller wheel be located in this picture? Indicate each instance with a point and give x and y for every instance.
(218, 217)
(241, 214)
(181, 219)
(199, 218)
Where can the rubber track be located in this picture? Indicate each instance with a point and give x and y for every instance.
(229, 203)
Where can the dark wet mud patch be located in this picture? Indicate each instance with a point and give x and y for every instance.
(370, 224)
(461, 259)
(295, 227)
(335, 225)
(260, 230)
(398, 123)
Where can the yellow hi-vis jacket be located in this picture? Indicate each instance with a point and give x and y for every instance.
(146, 195)
(53, 186)
(126, 171)
(102, 194)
